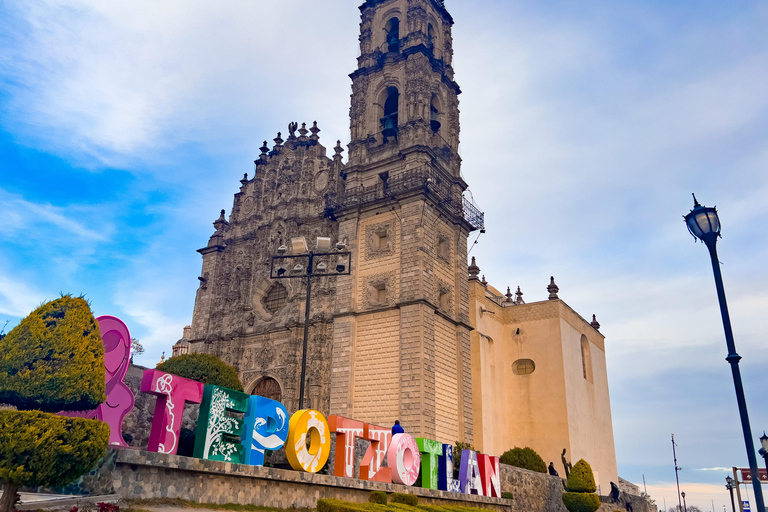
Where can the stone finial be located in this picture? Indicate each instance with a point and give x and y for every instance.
(221, 223)
(315, 130)
(473, 270)
(508, 295)
(303, 132)
(264, 149)
(278, 141)
(485, 283)
(594, 323)
(552, 289)
(519, 296)
(245, 179)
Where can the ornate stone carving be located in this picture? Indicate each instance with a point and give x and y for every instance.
(379, 290)
(380, 240)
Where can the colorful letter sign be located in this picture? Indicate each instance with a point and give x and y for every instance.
(266, 428)
(219, 435)
(370, 467)
(404, 459)
(489, 473)
(446, 482)
(313, 457)
(172, 393)
(120, 399)
(469, 473)
(431, 450)
(346, 431)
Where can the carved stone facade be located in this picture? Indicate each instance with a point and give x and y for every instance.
(235, 315)
(391, 339)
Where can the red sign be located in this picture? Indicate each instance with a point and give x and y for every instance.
(746, 476)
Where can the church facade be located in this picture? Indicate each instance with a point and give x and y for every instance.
(404, 334)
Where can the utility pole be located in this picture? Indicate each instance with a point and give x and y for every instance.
(677, 479)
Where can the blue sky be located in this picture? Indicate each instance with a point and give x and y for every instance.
(126, 126)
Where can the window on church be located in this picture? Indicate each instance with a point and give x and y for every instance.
(430, 37)
(523, 367)
(268, 388)
(586, 359)
(389, 121)
(275, 298)
(434, 119)
(393, 35)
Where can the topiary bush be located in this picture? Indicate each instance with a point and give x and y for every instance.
(525, 458)
(204, 368)
(379, 497)
(581, 478)
(52, 361)
(405, 499)
(581, 487)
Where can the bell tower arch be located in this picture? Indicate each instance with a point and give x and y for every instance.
(401, 347)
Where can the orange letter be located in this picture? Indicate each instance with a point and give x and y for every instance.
(346, 431)
(370, 467)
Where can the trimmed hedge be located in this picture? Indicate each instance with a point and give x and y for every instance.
(405, 499)
(581, 478)
(379, 497)
(204, 368)
(525, 458)
(54, 359)
(507, 495)
(42, 449)
(581, 501)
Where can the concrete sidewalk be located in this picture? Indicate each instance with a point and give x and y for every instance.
(34, 501)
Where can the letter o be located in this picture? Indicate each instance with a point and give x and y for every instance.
(404, 458)
(313, 457)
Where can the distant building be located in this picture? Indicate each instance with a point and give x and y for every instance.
(411, 333)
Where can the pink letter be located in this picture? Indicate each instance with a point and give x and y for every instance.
(489, 473)
(172, 393)
(120, 399)
(346, 431)
(370, 467)
(404, 458)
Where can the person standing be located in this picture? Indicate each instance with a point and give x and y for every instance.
(397, 429)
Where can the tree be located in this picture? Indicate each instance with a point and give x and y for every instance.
(204, 368)
(52, 361)
(581, 489)
(136, 348)
(525, 458)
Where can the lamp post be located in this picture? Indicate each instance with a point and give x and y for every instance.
(685, 508)
(309, 270)
(704, 224)
(764, 450)
(731, 485)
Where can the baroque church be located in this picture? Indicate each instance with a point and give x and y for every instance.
(404, 329)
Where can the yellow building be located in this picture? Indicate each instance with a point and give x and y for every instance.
(539, 380)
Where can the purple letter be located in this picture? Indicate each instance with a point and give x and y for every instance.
(172, 393)
(469, 473)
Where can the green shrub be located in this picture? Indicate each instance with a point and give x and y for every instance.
(406, 499)
(581, 478)
(457, 448)
(581, 501)
(204, 368)
(525, 458)
(42, 449)
(54, 359)
(379, 497)
(507, 495)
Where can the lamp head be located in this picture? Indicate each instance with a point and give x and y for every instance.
(281, 271)
(682, 494)
(322, 266)
(728, 482)
(299, 245)
(323, 244)
(764, 441)
(340, 246)
(298, 268)
(340, 267)
(703, 222)
(282, 250)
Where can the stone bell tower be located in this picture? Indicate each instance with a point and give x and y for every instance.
(401, 344)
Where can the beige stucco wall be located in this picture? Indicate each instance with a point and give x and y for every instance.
(554, 407)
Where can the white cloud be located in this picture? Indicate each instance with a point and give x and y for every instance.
(17, 298)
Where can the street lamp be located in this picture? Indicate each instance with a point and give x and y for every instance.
(704, 224)
(302, 265)
(685, 508)
(731, 485)
(764, 450)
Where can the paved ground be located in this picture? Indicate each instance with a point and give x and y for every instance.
(33, 501)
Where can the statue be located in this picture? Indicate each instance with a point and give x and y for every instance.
(292, 127)
(567, 465)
